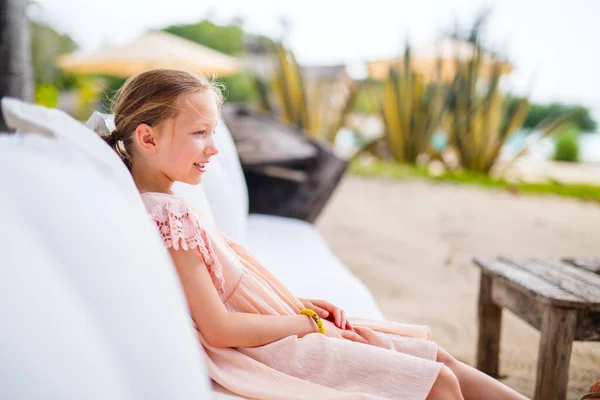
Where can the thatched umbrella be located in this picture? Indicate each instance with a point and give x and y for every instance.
(149, 51)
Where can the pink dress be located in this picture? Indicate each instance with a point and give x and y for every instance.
(398, 363)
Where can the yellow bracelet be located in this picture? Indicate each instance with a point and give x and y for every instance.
(315, 318)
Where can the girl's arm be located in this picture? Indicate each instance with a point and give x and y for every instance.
(221, 327)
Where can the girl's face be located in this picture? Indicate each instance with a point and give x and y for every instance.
(185, 143)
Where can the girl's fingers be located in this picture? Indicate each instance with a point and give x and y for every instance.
(322, 312)
(342, 319)
(338, 318)
(354, 336)
(323, 304)
(349, 325)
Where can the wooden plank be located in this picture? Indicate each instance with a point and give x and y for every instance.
(560, 276)
(530, 284)
(556, 341)
(282, 173)
(490, 322)
(575, 271)
(591, 264)
(263, 140)
(506, 295)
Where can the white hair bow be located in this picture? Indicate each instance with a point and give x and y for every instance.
(102, 124)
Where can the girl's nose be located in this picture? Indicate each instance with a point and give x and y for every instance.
(211, 150)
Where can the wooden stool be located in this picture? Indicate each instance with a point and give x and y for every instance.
(559, 298)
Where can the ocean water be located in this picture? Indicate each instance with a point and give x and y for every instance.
(589, 145)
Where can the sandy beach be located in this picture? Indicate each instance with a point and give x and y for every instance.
(411, 243)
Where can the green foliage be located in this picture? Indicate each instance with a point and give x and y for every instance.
(239, 87)
(46, 46)
(479, 123)
(367, 101)
(87, 97)
(411, 111)
(581, 116)
(482, 118)
(404, 171)
(227, 39)
(46, 95)
(307, 106)
(289, 89)
(566, 144)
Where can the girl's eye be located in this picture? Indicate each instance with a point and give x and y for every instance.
(201, 133)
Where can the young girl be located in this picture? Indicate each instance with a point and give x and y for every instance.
(261, 340)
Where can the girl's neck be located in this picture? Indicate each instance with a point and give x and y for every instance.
(148, 180)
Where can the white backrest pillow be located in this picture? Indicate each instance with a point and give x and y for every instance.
(90, 301)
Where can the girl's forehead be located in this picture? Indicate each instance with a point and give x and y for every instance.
(198, 107)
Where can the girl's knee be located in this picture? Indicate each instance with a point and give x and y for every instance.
(446, 386)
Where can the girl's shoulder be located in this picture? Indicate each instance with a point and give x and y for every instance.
(175, 219)
(159, 197)
(160, 205)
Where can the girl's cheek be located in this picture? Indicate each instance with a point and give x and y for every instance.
(207, 142)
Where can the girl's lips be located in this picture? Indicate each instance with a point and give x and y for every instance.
(200, 166)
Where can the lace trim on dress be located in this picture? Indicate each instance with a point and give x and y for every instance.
(179, 228)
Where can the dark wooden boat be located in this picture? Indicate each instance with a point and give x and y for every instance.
(288, 174)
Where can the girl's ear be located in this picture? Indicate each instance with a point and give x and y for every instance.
(145, 137)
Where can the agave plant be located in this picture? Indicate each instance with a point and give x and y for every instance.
(412, 111)
(289, 89)
(307, 106)
(480, 121)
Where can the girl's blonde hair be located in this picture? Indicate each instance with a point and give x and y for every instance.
(150, 98)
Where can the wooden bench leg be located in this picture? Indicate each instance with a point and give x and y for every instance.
(490, 322)
(556, 340)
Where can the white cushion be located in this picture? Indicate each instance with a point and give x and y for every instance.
(90, 302)
(224, 202)
(298, 255)
(50, 346)
(196, 197)
(225, 187)
(230, 160)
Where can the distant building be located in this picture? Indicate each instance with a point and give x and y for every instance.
(425, 60)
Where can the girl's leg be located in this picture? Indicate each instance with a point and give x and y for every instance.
(445, 387)
(476, 385)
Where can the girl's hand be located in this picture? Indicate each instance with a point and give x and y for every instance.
(332, 330)
(328, 311)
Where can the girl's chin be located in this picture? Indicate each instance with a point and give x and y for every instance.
(194, 180)
(193, 177)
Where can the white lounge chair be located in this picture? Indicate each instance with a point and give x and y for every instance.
(89, 301)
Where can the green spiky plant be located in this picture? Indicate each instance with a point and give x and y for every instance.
(289, 89)
(303, 105)
(412, 111)
(480, 121)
